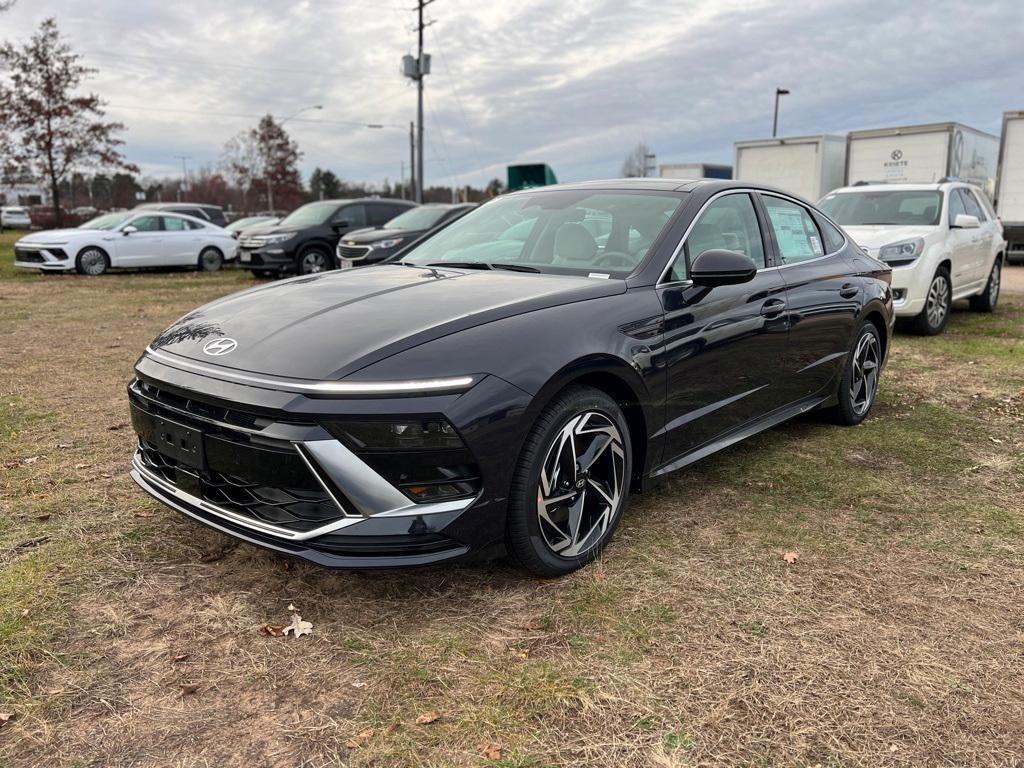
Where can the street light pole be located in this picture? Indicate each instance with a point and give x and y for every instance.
(775, 120)
(184, 175)
(266, 159)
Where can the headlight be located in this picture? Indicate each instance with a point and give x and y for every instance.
(387, 243)
(902, 252)
(275, 239)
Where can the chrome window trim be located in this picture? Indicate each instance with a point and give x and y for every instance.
(662, 283)
(322, 388)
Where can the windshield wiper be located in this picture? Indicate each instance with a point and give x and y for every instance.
(459, 264)
(515, 267)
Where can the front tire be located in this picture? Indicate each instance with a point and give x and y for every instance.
(989, 298)
(858, 384)
(92, 261)
(937, 304)
(314, 260)
(571, 483)
(210, 260)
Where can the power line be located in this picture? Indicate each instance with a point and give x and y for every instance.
(458, 99)
(212, 113)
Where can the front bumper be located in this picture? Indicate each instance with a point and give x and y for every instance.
(910, 288)
(44, 257)
(252, 433)
(268, 258)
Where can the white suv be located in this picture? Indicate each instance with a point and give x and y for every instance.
(943, 242)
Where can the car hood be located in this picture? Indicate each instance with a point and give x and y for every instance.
(54, 235)
(366, 236)
(875, 236)
(327, 326)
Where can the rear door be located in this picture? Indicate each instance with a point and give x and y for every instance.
(724, 351)
(822, 297)
(181, 242)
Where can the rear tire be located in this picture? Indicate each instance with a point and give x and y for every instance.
(858, 384)
(937, 305)
(571, 483)
(210, 260)
(92, 261)
(989, 298)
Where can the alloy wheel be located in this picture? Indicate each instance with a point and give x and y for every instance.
(93, 262)
(581, 483)
(313, 262)
(937, 304)
(209, 260)
(864, 379)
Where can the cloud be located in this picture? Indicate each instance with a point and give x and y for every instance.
(574, 84)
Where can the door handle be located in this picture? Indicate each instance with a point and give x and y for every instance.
(849, 290)
(773, 308)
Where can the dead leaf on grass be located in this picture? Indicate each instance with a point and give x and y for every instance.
(272, 630)
(64, 445)
(360, 684)
(428, 717)
(490, 750)
(43, 518)
(5, 717)
(360, 738)
(791, 557)
(187, 689)
(299, 626)
(182, 657)
(115, 427)
(30, 460)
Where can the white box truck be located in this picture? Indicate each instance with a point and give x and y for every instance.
(1009, 197)
(920, 154)
(809, 166)
(695, 171)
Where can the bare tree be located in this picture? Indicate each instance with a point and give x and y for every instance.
(637, 161)
(49, 128)
(265, 157)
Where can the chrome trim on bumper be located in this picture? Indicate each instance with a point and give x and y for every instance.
(369, 492)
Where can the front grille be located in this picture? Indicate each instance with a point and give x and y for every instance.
(353, 252)
(31, 257)
(251, 475)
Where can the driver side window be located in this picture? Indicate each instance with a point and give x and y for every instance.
(730, 224)
(147, 223)
(353, 215)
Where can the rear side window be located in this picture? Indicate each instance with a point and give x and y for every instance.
(833, 237)
(795, 231)
(729, 223)
(194, 225)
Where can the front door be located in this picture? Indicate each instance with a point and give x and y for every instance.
(822, 295)
(723, 351)
(144, 246)
(962, 244)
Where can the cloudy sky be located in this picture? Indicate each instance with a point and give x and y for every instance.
(575, 84)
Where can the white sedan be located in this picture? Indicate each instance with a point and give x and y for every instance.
(130, 239)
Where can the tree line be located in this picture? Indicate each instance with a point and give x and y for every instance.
(52, 134)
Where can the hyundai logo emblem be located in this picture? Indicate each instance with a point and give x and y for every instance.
(897, 154)
(220, 346)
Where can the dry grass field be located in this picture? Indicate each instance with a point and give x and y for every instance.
(130, 636)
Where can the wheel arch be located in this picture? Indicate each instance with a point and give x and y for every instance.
(315, 243)
(622, 383)
(92, 246)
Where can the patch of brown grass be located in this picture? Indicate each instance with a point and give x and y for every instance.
(895, 639)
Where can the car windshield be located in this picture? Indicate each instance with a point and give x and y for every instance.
(106, 221)
(19, 211)
(417, 218)
(885, 207)
(309, 214)
(559, 231)
(247, 221)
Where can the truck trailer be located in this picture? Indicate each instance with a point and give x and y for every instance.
(920, 154)
(809, 166)
(1009, 197)
(695, 171)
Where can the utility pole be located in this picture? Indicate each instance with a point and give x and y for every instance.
(775, 120)
(184, 174)
(649, 164)
(416, 69)
(412, 161)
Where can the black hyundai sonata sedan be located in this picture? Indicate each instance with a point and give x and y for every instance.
(509, 382)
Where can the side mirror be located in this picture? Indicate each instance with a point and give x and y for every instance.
(128, 230)
(966, 221)
(720, 267)
(343, 224)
